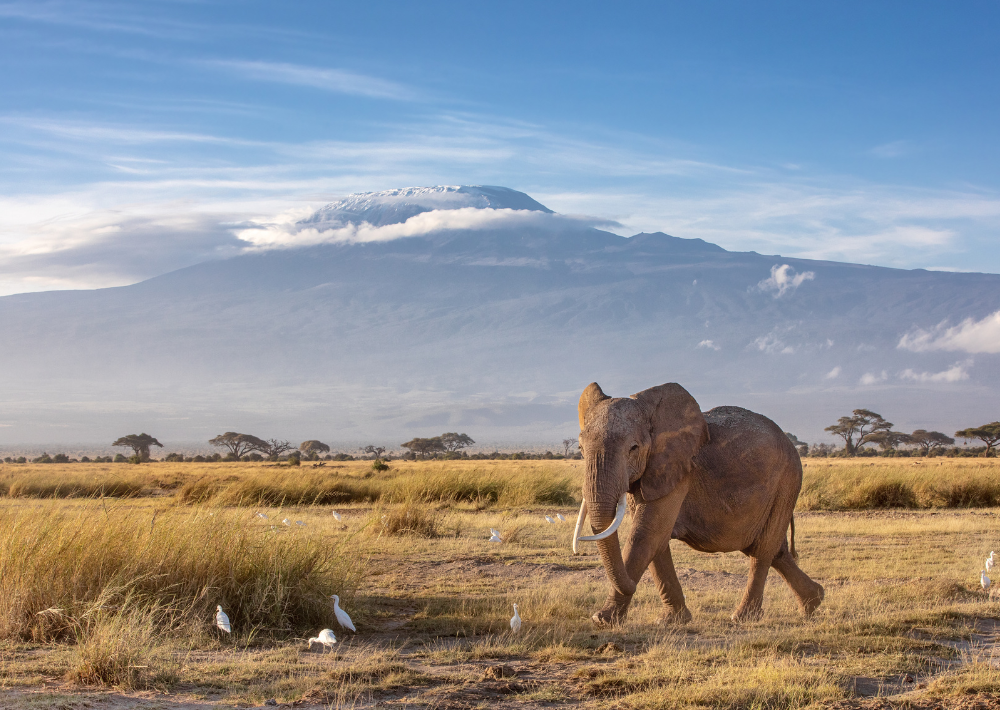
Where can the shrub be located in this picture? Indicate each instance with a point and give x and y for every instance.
(179, 458)
(120, 458)
(44, 458)
(198, 459)
(21, 459)
(379, 466)
(84, 459)
(406, 519)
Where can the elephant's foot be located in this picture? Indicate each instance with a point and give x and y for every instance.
(611, 614)
(673, 617)
(748, 612)
(811, 603)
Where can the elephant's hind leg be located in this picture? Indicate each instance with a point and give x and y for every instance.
(751, 606)
(809, 593)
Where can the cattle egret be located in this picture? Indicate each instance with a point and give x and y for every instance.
(561, 518)
(287, 522)
(261, 516)
(336, 515)
(984, 581)
(326, 638)
(515, 622)
(549, 519)
(342, 618)
(495, 538)
(221, 620)
(494, 532)
(989, 561)
(299, 522)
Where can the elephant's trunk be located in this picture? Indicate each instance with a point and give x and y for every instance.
(603, 497)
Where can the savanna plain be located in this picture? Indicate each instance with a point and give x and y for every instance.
(110, 575)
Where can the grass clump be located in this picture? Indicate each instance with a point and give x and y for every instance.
(74, 485)
(405, 519)
(57, 566)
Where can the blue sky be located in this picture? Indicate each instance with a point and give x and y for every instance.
(135, 137)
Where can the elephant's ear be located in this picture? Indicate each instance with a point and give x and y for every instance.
(677, 431)
(591, 396)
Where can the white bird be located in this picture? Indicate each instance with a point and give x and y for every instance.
(494, 532)
(336, 515)
(261, 516)
(221, 620)
(299, 522)
(984, 581)
(286, 521)
(495, 538)
(989, 562)
(515, 621)
(549, 519)
(561, 518)
(326, 638)
(342, 618)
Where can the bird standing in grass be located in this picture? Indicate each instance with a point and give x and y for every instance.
(336, 516)
(261, 516)
(286, 521)
(515, 622)
(221, 620)
(989, 562)
(299, 522)
(984, 581)
(561, 518)
(494, 532)
(549, 519)
(342, 618)
(495, 538)
(325, 638)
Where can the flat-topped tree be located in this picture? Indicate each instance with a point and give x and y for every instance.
(930, 440)
(989, 434)
(425, 447)
(888, 440)
(857, 429)
(453, 441)
(239, 445)
(139, 443)
(312, 446)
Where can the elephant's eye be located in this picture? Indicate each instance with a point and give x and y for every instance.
(633, 448)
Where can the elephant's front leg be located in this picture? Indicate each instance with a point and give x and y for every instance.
(652, 524)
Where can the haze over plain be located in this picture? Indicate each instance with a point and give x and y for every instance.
(141, 140)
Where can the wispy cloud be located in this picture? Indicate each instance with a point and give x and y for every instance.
(955, 373)
(833, 374)
(783, 279)
(970, 336)
(709, 345)
(872, 378)
(340, 81)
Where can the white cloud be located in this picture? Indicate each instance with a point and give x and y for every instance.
(870, 378)
(772, 343)
(783, 279)
(833, 374)
(970, 336)
(337, 80)
(709, 345)
(288, 232)
(955, 373)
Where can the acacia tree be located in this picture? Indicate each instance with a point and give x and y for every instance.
(888, 440)
(239, 445)
(989, 434)
(453, 442)
(139, 443)
(567, 445)
(857, 429)
(425, 447)
(375, 451)
(928, 440)
(276, 447)
(314, 447)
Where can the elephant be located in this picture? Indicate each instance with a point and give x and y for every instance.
(720, 481)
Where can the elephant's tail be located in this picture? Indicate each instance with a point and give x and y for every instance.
(791, 544)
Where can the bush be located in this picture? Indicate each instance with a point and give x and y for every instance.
(378, 466)
(406, 519)
(60, 458)
(177, 458)
(44, 458)
(120, 458)
(198, 459)
(84, 459)
(21, 459)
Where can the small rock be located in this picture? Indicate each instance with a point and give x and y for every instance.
(907, 678)
(272, 701)
(498, 672)
(610, 647)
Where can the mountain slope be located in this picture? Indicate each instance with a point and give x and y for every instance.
(493, 330)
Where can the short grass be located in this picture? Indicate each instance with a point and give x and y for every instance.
(92, 595)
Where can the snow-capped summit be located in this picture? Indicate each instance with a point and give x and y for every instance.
(395, 206)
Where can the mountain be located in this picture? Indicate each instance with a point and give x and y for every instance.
(477, 309)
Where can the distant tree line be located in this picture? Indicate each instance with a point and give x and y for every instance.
(865, 428)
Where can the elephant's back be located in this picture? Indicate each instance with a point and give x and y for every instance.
(748, 468)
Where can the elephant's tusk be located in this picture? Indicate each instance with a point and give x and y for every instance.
(619, 516)
(579, 524)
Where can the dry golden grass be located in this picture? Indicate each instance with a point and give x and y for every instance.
(902, 601)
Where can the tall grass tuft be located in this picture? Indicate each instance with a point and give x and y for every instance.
(405, 519)
(55, 566)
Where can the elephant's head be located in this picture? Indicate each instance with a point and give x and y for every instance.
(649, 437)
